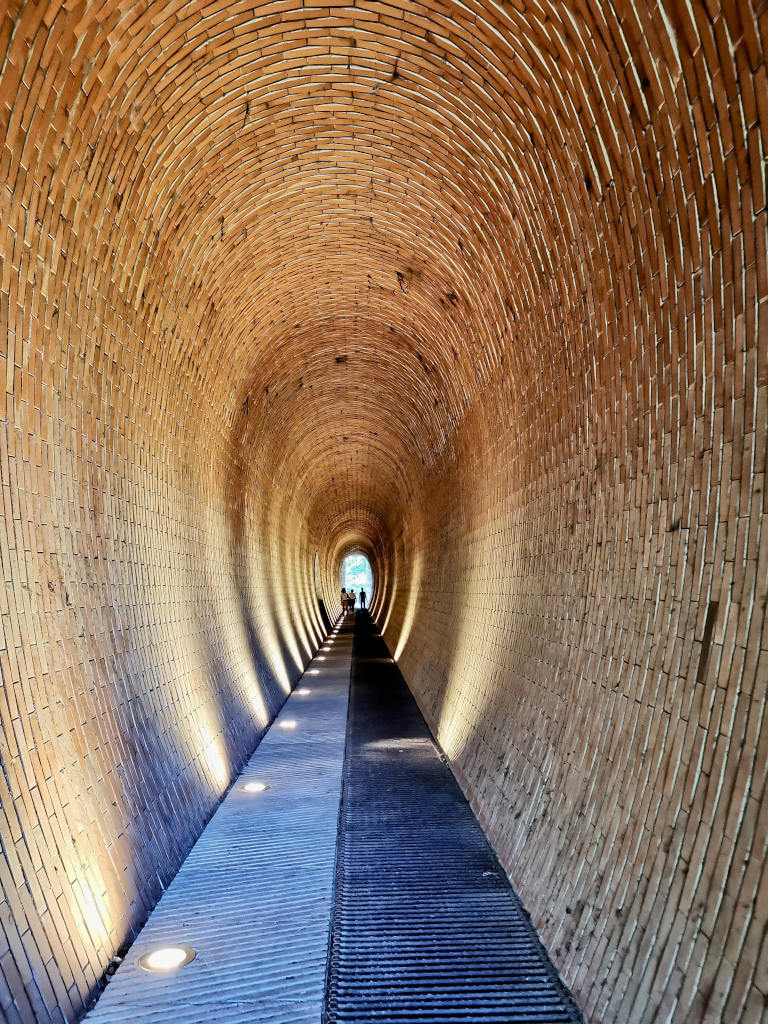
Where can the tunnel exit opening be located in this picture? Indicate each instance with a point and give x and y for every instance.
(356, 573)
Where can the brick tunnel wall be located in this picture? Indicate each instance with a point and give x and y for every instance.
(141, 659)
(587, 647)
(478, 289)
(588, 642)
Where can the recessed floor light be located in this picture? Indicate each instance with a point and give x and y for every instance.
(303, 691)
(320, 657)
(288, 723)
(166, 958)
(254, 787)
(313, 671)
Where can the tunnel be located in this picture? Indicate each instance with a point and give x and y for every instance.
(476, 289)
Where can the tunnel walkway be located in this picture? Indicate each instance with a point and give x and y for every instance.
(423, 924)
(426, 926)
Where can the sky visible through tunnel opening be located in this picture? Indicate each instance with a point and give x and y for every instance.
(356, 572)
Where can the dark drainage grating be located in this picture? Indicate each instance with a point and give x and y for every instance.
(426, 927)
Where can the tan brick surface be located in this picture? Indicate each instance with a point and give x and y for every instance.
(478, 287)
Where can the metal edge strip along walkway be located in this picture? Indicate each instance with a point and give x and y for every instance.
(426, 926)
(254, 897)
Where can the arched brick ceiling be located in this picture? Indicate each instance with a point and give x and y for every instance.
(477, 288)
(402, 188)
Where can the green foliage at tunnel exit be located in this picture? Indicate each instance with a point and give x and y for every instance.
(356, 572)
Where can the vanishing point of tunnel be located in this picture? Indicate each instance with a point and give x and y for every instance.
(476, 289)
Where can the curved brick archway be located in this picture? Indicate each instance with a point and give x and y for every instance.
(477, 288)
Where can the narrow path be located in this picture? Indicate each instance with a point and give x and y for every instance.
(424, 925)
(253, 898)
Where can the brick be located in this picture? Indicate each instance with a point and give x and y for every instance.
(480, 290)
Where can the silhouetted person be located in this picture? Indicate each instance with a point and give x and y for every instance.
(344, 601)
(352, 600)
(362, 599)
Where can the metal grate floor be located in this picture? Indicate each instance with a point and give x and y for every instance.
(426, 927)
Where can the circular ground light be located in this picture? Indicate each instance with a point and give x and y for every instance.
(166, 958)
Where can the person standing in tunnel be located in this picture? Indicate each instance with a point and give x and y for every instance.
(362, 599)
(344, 600)
(352, 600)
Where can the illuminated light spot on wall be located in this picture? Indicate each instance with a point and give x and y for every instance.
(281, 674)
(257, 704)
(93, 913)
(452, 733)
(213, 756)
(288, 632)
(304, 637)
(390, 601)
(461, 712)
(276, 662)
(410, 610)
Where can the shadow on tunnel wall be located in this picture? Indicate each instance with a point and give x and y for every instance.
(328, 625)
(542, 289)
